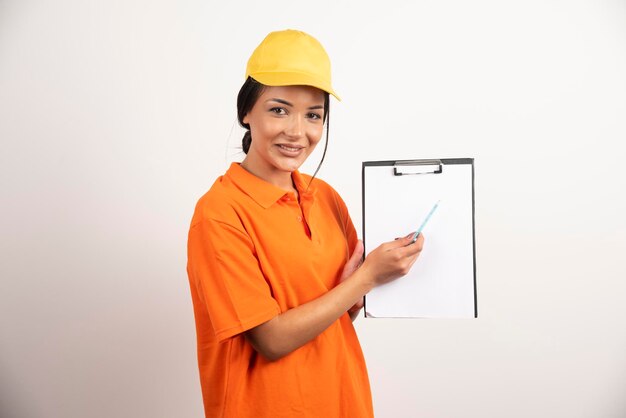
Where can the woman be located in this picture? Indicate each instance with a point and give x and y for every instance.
(274, 257)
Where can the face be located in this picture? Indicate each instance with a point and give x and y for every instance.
(286, 123)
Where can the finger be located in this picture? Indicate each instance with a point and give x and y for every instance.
(411, 249)
(355, 308)
(413, 260)
(410, 234)
(357, 254)
(419, 242)
(354, 261)
(354, 314)
(418, 247)
(398, 242)
(358, 305)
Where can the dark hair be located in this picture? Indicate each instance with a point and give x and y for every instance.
(247, 97)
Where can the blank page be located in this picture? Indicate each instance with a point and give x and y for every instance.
(441, 283)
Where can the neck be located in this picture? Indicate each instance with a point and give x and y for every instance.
(281, 179)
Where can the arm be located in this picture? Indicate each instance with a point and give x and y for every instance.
(350, 267)
(292, 329)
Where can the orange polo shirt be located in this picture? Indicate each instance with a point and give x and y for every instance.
(254, 251)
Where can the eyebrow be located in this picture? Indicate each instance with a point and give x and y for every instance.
(286, 103)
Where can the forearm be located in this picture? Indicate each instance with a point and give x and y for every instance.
(295, 327)
(354, 313)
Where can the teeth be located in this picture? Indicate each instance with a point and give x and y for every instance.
(289, 148)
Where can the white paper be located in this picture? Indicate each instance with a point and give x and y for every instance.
(441, 283)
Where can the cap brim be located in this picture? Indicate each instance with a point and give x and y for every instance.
(293, 79)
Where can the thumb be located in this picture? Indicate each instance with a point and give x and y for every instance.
(354, 261)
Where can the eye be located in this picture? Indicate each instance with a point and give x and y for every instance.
(278, 110)
(314, 116)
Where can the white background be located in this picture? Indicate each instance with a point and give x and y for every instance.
(116, 116)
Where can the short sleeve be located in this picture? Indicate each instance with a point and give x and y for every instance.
(229, 280)
(350, 231)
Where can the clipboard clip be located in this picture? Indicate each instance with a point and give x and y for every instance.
(412, 167)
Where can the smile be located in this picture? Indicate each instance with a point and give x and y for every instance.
(290, 149)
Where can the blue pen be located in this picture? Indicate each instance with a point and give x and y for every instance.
(416, 234)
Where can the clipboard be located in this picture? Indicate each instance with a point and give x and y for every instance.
(397, 195)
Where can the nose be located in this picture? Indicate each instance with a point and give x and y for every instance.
(295, 129)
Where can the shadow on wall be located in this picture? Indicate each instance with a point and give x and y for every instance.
(14, 400)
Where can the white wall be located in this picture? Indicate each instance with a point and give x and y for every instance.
(115, 116)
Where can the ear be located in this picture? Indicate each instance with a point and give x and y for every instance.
(245, 119)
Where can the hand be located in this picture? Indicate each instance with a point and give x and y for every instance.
(351, 266)
(393, 259)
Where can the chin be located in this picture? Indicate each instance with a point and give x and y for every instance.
(290, 169)
(290, 166)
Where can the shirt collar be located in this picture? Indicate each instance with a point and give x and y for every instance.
(264, 193)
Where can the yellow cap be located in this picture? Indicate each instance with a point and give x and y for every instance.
(290, 58)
